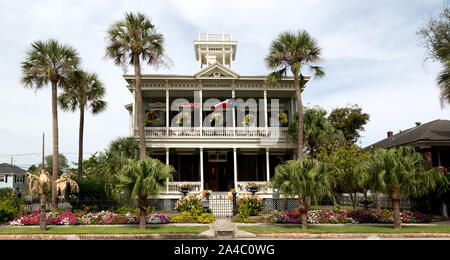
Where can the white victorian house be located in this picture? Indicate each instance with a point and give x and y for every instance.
(220, 130)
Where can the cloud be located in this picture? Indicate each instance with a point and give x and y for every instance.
(370, 49)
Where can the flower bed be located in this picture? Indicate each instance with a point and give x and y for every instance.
(83, 218)
(346, 217)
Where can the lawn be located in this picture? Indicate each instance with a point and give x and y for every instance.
(349, 229)
(76, 230)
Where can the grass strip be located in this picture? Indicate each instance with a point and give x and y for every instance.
(77, 230)
(312, 229)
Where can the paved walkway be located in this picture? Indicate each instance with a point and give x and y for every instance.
(224, 228)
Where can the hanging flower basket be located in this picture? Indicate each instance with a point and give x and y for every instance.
(283, 119)
(151, 118)
(249, 120)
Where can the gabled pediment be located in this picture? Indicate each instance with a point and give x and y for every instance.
(216, 71)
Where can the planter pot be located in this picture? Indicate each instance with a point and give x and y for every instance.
(184, 190)
(253, 190)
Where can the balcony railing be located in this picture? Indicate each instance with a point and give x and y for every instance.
(216, 132)
(214, 37)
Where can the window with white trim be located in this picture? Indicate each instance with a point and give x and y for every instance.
(19, 179)
(2, 179)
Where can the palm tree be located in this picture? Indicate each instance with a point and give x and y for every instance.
(82, 91)
(318, 132)
(40, 185)
(401, 172)
(307, 179)
(49, 62)
(139, 179)
(125, 146)
(128, 41)
(296, 52)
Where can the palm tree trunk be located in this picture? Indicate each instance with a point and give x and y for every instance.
(378, 199)
(142, 221)
(43, 214)
(140, 113)
(55, 144)
(304, 220)
(397, 220)
(303, 209)
(298, 93)
(80, 144)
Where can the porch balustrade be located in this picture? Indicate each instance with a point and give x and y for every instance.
(173, 187)
(250, 132)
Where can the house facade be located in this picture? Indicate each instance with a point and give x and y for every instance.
(219, 130)
(12, 177)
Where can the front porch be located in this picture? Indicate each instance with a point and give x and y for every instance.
(220, 170)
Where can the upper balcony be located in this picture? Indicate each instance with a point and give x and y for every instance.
(215, 37)
(215, 132)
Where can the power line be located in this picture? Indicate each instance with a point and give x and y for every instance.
(18, 138)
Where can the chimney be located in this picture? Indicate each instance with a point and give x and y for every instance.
(390, 134)
(418, 123)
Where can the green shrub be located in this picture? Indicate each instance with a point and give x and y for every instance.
(187, 217)
(249, 206)
(124, 210)
(10, 207)
(191, 203)
(5, 193)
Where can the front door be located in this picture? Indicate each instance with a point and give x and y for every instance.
(213, 176)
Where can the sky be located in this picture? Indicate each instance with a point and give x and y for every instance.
(372, 57)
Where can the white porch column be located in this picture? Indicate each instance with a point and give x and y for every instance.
(266, 122)
(233, 96)
(167, 163)
(267, 164)
(201, 170)
(223, 54)
(231, 60)
(201, 112)
(235, 169)
(199, 58)
(167, 112)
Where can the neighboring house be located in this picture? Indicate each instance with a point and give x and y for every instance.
(431, 139)
(13, 177)
(219, 130)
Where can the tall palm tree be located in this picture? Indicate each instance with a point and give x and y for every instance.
(128, 41)
(307, 179)
(297, 53)
(39, 183)
(401, 172)
(125, 146)
(83, 91)
(49, 62)
(139, 179)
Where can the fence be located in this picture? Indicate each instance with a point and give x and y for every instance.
(166, 206)
(344, 203)
(220, 204)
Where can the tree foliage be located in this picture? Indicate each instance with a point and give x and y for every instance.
(435, 37)
(350, 121)
(318, 131)
(347, 174)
